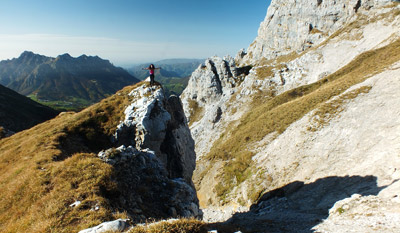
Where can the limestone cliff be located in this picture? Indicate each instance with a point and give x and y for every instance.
(158, 123)
(294, 26)
(154, 135)
(131, 156)
(301, 119)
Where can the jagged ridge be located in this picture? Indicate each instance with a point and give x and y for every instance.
(274, 126)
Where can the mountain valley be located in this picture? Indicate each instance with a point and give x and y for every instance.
(174, 74)
(63, 82)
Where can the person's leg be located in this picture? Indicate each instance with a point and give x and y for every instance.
(151, 79)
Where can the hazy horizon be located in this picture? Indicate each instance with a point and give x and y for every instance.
(129, 32)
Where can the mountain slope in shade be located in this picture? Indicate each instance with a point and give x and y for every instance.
(18, 112)
(73, 81)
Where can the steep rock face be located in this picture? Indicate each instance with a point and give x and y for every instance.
(288, 28)
(207, 98)
(343, 148)
(158, 123)
(327, 180)
(293, 26)
(204, 100)
(155, 146)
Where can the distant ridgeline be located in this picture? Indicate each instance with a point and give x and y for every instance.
(174, 75)
(63, 82)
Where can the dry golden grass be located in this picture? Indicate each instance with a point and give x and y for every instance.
(185, 225)
(179, 226)
(329, 110)
(316, 31)
(277, 113)
(2, 132)
(43, 171)
(195, 111)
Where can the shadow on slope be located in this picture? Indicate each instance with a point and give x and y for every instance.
(298, 207)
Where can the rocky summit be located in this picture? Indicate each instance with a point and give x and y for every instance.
(155, 146)
(131, 156)
(300, 132)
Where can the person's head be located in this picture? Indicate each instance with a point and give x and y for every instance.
(151, 66)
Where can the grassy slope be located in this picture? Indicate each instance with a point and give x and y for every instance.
(277, 113)
(48, 167)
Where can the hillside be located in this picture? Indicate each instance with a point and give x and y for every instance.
(63, 82)
(18, 112)
(301, 132)
(129, 156)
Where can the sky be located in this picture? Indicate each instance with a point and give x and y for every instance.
(129, 32)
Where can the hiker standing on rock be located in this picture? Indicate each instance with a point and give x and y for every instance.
(151, 69)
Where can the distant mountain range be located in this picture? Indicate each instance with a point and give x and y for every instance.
(64, 81)
(171, 68)
(174, 74)
(18, 112)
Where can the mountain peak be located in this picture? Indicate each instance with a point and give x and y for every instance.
(86, 77)
(27, 54)
(64, 56)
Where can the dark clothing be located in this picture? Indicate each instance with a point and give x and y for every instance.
(151, 79)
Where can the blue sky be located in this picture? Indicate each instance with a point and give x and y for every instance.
(129, 31)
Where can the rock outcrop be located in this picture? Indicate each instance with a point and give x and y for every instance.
(205, 99)
(118, 225)
(294, 26)
(131, 156)
(159, 123)
(154, 158)
(302, 48)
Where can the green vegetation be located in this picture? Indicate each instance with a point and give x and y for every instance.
(64, 83)
(73, 103)
(275, 114)
(174, 86)
(340, 210)
(174, 75)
